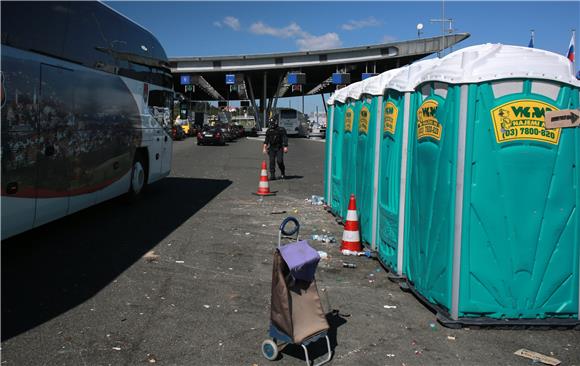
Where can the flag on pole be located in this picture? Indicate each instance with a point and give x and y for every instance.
(570, 54)
(531, 44)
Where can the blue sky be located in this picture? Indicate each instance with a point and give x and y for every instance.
(235, 28)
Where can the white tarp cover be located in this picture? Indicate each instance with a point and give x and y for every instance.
(487, 62)
(408, 76)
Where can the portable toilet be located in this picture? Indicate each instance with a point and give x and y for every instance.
(348, 157)
(335, 182)
(396, 100)
(367, 157)
(494, 229)
(364, 158)
(328, 150)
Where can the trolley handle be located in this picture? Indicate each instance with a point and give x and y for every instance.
(285, 222)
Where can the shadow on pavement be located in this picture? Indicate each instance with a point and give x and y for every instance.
(54, 268)
(317, 350)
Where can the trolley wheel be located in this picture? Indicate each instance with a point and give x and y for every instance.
(269, 349)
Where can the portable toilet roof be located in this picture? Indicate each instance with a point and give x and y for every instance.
(330, 100)
(408, 76)
(377, 84)
(486, 62)
(341, 95)
(355, 90)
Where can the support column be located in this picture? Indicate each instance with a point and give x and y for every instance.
(264, 98)
(253, 101)
(324, 104)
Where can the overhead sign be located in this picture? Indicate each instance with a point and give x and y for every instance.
(562, 119)
(185, 80)
(230, 79)
(296, 78)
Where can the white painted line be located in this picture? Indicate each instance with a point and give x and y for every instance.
(257, 138)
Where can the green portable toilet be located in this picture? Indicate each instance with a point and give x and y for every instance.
(396, 101)
(349, 139)
(336, 148)
(368, 150)
(365, 155)
(328, 150)
(493, 226)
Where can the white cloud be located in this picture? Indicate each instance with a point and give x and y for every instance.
(232, 22)
(323, 42)
(388, 39)
(228, 21)
(292, 30)
(363, 23)
(304, 40)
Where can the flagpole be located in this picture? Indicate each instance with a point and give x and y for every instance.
(574, 40)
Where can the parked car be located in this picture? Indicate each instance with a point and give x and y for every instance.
(214, 136)
(239, 130)
(228, 133)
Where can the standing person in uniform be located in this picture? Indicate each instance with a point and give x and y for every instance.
(276, 144)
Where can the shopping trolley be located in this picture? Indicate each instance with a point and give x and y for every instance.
(296, 315)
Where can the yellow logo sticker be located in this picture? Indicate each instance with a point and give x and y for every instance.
(348, 118)
(523, 120)
(363, 120)
(427, 123)
(390, 118)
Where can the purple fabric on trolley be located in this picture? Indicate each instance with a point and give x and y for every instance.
(301, 259)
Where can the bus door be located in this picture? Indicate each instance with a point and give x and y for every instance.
(56, 130)
(160, 104)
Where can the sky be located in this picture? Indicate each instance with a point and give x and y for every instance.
(202, 28)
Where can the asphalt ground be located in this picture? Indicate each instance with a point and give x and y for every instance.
(80, 292)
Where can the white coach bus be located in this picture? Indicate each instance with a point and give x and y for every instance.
(86, 105)
(293, 121)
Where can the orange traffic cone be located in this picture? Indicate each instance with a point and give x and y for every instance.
(351, 235)
(263, 186)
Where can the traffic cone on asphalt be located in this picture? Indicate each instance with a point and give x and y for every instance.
(263, 185)
(351, 235)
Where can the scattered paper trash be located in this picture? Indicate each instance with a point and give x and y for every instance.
(316, 200)
(179, 262)
(247, 233)
(150, 256)
(206, 306)
(324, 238)
(537, 357)
(433, 326)
(151, 358)
(117, 348)
(451, 338)
(390, 355)
(390, 306)
(322, 254)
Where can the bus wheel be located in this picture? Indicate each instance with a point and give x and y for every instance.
(138, 176)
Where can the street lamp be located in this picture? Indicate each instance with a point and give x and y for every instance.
(419, 29)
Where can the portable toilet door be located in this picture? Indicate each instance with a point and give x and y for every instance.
(504, 235)
(394, 134)
(348, 161)
(328, 153)
(335, 140)
(432, 193)
(393, 113)
(365, 157)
